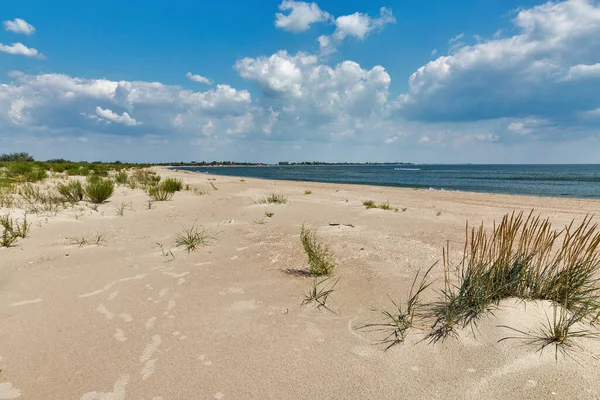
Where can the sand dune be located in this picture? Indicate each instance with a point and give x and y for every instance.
(127, 320)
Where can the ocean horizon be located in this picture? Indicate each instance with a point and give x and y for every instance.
(546, 180)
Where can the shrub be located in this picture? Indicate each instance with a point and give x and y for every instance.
(320, 258)
(99, 191)
(71, 191)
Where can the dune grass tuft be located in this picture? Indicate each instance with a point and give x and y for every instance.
(308, 192)
(523, 258)
(320, 258)
(172, 185)
(193, 238)
(160, 193)
(99, 190)
(72, 191)
(273, 199)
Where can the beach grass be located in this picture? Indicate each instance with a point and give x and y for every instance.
(273, 198)
(98, 190)
(194, 237)
(320, 258)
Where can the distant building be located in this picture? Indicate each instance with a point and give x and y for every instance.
(284, 163)
(193, 162)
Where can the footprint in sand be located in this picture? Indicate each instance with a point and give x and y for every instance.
(150, 323)
(120, 335)
(113, 295)
(118, 392)
(7, 391)
(146, 357)
(104, 311)
(126, 317)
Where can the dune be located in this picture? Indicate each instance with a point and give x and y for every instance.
(133, 316)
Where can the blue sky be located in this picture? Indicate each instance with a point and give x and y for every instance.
(431, 81)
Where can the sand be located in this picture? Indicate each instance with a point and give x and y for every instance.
(122, 321)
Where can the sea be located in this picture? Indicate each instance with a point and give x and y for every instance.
(577, 181)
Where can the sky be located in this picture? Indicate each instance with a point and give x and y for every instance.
(495, 81)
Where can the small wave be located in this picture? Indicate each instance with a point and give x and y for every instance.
(407, 169)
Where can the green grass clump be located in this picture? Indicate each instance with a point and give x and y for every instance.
(273, 199)
(193, 238)
(160, 193)
(100, 190)
(172, 185)
(72, 191)
(308, 192)
(320, 258)
(522, 258)
(269, 214)
(384, 206)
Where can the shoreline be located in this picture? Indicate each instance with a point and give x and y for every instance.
(404, 187)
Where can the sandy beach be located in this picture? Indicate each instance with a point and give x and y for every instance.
(134, 317)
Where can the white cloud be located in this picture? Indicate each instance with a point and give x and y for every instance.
(360, 25)
(424, 139)
(549, 68)
(301, 16)
(583, 71)
(60, 103)
(305, 97)
(198, 78)
(21, 50)
(19, 26)
(434, 52)
(456, 38)
(110, 116)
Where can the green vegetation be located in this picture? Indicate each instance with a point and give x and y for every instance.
(308, 192)
(273, 199)
(172, 185)
(319, 293)
(97, 239)
(72, 191)
(193, 238)
(122, 178)
(384, 206)
(98, 191)
(13, 229)
(269, 214)
(396, 324)
(320, 258)
(160, 192)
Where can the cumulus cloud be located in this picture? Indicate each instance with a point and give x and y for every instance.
(549, 69)
(198, 78)
(360, 25)
(109, 116)
(19, 26)
(306, 97)
(301, 16)
(21, 50)
(54, 102)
